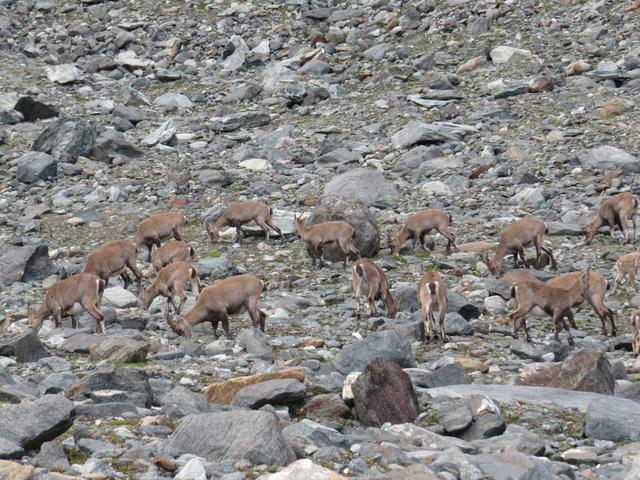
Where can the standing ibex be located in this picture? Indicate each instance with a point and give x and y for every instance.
(173, 280)
(216, 302)
(69, 297)
(635, 329)
(239, 213)
(364, 270)
(173, 251)
(514, 238)
(554, 301)
(615, 211)
(432, 289)
(627, 265)
(111, 259)
(318, 235)
(159, 227)
(420, 224)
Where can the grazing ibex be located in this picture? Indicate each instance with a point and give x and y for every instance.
(159, 227)
(216, 302)
(316, 236)
(173, 280)
(420, 224)
(554, 301)
(598, 286)
(635, 328)
(433, 289)
(627, 265)
(364, 270)
(617, 210)
(173, 251)
(239, 213)
(111, 259)
(69, 297)
(514, 238)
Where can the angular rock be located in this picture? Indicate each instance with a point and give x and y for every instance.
(248, 119)
(308, 433)
(192, 470)
(504, 54)
(256, 343)
(173, 100)
(111, 143)
(606, 420)
(121, 349)
(223, 393)
(130, 59)
(57, 383)
(63, 74)
(66, 139)
(584, 370)
(485, 426)
(165, 134)
(303, 469)
(607, 158)
(33, 110)
(366, 185)
(450, 374)
(52, 457)
(272, 392)
(518, 466)
(384, 393)
(240, 435)
(119, 297)
(26, 347)
(185, 401)
(326, 407)
(27, 426)
(10, 450)
(418, 133)
(387, 344)
(356, 214)
(133, 384)
(35, 166)
(25, 264)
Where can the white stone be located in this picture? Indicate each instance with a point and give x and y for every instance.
(119, 297)
(163, 134)
(495, 304)
(255, 164)
(530, 196)
(303, 469)
(173, 100)
(347, 386)
(504, 53)
(192, 470)
(130, 59)
(65, 73)
(436, 187)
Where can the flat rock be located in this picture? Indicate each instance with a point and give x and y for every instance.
(66, 139)
(62, 74)
(387, 344)
(35, 166)
(256, 342)
(303, 469)
(366, 185)
(415, 133)
(119, 297)
(606, 420)
(25, 264)
(121, 349)
(26, 347)
(607, 157)
(272, 392)
(224, 393)
(240, 435)
(248, 119)
(132, 383)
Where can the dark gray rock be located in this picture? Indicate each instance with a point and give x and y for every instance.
(450, 374)
(25, 264)
(27, 426)
(121, 349)
(456, 419)
(33, 110)
(36, 166)
(26, 347)
(456, 324)
(248, 119)
(384, 393)
(486, 426)
(57, 383)
(309, 433)
(111, 143)
(516, 438)
(10, 450)
(66, 139)
(606, 420)
(356, 214)
(518, 466)
(272, 392)
(256, 342)
(110, 409)
(366, 185)
(387, 344)
(240, 435)
(52, 457)
(132, 383)
(185, 401)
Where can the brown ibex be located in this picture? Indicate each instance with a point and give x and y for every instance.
(514, 238)
(635, 329)
(112, 259)
(627, 265)
(433, 289)
(158, 227)
(617, 210)
(420, 224)
(216, 302)
(170, 252)
(320, 234)
(364, 270)
(239, 213)
(69, 297)
(553, 301)
(173, 280)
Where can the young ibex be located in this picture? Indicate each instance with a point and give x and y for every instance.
(170, 252)
(598, 286)
(111, 259)
(615, 211)
(316, 236)
(68, 297)
(239, 213)
(364, 270)
(554, 301)
(216, 302)
(635, 328)
(432, 288)
(420, 224)
(159, 227)
(173, 280)
(514, 238)
(627, 265)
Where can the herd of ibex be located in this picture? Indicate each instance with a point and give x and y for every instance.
(176, 272)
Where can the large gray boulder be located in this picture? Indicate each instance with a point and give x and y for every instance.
(389, 344)
(35, 166)
(419, 133)
(25, 264)
(30, 424)
(606, 420)
(132, 385)
(122, 348)
(356, 214)
(366, 185)
(284, 391)
(66, 139)
(232, 435)
(606, 157)
(184, 401)
(26, 347)
(384, 393)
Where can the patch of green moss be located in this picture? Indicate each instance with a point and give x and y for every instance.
(212, 254)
